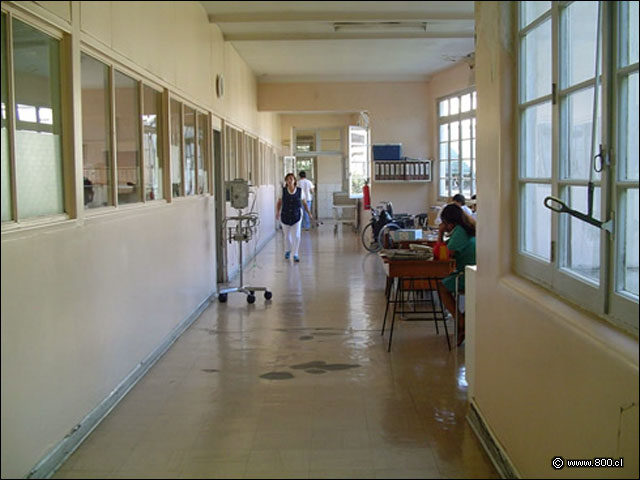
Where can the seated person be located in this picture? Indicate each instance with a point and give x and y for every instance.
(473, 204)
(462, 247)
(459, 200)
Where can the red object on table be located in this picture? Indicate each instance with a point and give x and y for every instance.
(440, 251)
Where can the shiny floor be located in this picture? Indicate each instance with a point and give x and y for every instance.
(298, 387)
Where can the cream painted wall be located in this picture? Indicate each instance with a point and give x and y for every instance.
(550, 379)
(398, 112)
(83, 302)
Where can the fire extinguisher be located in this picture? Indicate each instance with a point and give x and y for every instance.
(366, 196)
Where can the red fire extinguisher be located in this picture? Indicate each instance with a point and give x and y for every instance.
(366, 196)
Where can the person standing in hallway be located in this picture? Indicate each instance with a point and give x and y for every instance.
(307, 188)
(462, 247)
(289, 212)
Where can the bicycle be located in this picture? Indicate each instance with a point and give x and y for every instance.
(382, 221)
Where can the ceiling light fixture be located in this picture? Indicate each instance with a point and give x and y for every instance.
(380, 27)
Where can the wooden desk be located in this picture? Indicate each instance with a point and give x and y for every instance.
(410, 276)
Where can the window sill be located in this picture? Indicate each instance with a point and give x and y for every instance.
(590, 325)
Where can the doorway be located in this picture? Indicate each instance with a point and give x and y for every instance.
(310, 167)
(220, 208)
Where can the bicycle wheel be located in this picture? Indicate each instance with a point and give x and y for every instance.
(368, 241)
(383, 232)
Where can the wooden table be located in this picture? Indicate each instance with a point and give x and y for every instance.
(411, 276)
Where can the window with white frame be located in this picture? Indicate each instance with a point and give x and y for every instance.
(358, 160)
(32, 122)
(578, 143)
(457, 144)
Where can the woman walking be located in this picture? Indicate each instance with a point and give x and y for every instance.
(289, 211)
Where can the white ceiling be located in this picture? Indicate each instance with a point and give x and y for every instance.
(300, 41)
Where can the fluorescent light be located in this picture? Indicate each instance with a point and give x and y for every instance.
(380, 27)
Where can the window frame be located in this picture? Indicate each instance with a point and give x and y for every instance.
(207, 156)
(141, 83)
(603, 298)
(66, 134)
(366, 162)
(447, 120)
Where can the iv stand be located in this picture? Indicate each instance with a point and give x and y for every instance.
(242, 232)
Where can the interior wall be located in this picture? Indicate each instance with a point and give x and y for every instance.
(398, 113)
(86, 300)
(550, 378)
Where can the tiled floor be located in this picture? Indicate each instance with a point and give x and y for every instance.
(299, 387)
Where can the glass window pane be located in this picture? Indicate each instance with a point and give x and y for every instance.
(628, 13)
(27, 113)
(629, 255)
(444, 151)
(466, 168)
(444, 187)
(203, 154)
(575, 139)
(454, 150)
(152, 142)
(189, 150)
(127, 138)
(629, 129)
(176, 148)
(536, 225)
(466, 149)
(443, 110)
(579, 26)
(38, 146)
(581, 252)
(454, 105)
(444, 169)
(536, 144)
(4, 140)
(305, 141)
(474, 102)
(536, 66)
(532, 10)
(465, 103)
(96, 141)
(444, 132)
(465, 126)
(45, 115)
(454, 130)
(466, 187)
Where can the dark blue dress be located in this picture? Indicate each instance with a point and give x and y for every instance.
(291, 206)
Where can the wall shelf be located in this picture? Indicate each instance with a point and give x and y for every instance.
(402, 171)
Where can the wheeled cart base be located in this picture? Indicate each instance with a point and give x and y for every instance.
(242, 233)
(249, 291)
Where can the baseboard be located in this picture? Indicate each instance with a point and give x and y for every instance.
(53, 460)
(496, 453)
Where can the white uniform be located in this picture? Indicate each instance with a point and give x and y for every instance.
(307, 187)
